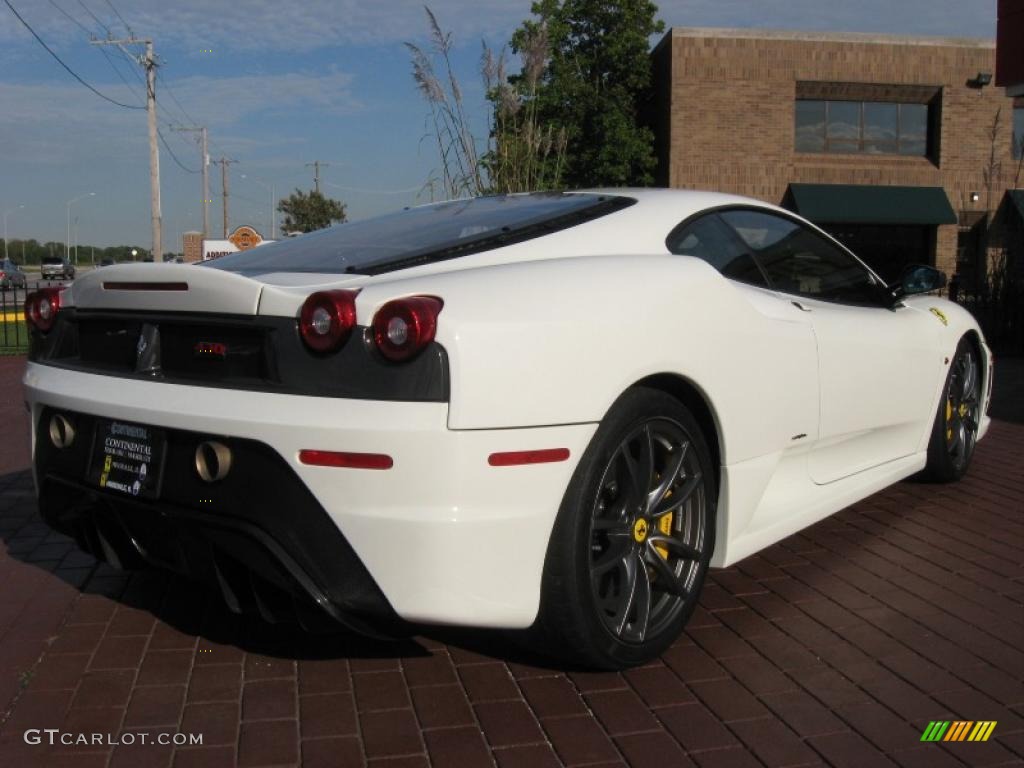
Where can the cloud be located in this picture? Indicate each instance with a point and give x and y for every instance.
(228, 100)
(222, 100)
(55, 124)
(974, 18)
(193, 25)
(272, 25)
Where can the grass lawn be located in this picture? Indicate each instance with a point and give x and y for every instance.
(13, 337)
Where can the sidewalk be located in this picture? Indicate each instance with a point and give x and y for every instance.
(835, 647)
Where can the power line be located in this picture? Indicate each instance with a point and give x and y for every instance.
(71, 18)
(174, 157)
(167, 121)
(117, 71)
(133, 62)
(184, 112)
(94, 17)
(170, 92)
(150, 63)
(61, 61)
(119, 16)
(375, 191)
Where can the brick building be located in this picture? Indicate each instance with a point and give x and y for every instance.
(901, 147)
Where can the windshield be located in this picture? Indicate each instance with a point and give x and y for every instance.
(424, 234)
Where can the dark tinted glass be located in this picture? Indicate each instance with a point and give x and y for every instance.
(711, 240)
(424, 234)
(872, 127)
(881, 127)
(798, 260)
(844, 120)
(913, 129)
(810, 126)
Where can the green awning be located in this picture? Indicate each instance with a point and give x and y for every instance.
(1017, 198)
(863, 204)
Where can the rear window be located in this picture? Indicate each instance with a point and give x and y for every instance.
(52, 260)
(424, 234)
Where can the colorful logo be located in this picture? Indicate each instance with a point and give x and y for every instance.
(939, 314)
(640, 530)
(959, 730)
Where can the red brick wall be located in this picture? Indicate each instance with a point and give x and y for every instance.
(731, 113)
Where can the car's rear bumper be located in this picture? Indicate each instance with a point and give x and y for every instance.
(442, 536)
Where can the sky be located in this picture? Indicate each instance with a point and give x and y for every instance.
(280, 85)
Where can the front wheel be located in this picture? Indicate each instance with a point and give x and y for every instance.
(633, 538)
(955, 430)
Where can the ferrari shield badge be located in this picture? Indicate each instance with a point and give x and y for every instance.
(939, 314)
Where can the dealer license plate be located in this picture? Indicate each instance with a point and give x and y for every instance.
(127, 458)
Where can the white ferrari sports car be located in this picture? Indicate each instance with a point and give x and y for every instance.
(552, 411)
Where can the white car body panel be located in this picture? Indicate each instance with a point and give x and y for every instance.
(441, 531)
(813, 410)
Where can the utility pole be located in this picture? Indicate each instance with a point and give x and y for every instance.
(204, 148)
(315, 165)
(148, 61)
(224, 163)
(273, 200)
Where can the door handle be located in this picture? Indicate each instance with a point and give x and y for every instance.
(801, 307)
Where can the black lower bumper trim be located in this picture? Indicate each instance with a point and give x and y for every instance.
(258, 535)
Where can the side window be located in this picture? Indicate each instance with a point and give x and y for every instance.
(709, 239)
(798, 260)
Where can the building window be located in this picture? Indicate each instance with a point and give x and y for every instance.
(867, 127)
(1018, 131)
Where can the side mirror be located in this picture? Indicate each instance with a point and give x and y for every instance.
(919, 278)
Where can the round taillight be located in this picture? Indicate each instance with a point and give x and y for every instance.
(403, 327)
(327, 319)
(41, 308)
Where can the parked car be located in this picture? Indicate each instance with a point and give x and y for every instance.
(549, 410)
(57, 268)
(11, 275)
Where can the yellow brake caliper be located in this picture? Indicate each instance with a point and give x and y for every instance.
(949, 419)
(665, 526)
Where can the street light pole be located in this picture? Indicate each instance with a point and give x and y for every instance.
(6, 214)
(67, 242)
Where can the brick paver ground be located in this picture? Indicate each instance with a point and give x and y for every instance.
(835, 647)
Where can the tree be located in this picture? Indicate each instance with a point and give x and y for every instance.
(595, 85)
(523, 154)
(456, 145)
(306, 212)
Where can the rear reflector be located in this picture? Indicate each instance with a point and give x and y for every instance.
(145, 286)
(346, 460)
(514, 458)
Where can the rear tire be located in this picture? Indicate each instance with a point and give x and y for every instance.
(955, 430)
(633, 538)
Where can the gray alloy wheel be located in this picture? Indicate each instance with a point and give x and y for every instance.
(648, 530)
(963, 408)
(955, 431)
(633, 538)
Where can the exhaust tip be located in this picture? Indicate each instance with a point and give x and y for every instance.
(213, 461)
(62, 431)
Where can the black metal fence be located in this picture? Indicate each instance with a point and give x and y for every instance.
(13, 331)
(999, 310)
